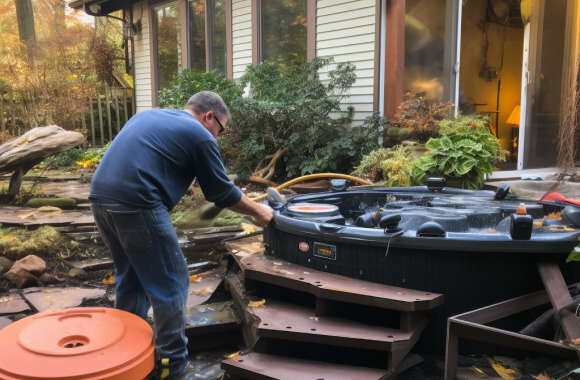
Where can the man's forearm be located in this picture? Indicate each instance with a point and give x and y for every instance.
(262, 213)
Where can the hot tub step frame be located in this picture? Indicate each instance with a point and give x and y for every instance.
(297, 332)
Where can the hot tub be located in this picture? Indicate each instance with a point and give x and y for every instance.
(475, 247)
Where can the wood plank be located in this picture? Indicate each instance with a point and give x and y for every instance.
(560, 298)
(263, 366)
(287, 321)
(272, 270)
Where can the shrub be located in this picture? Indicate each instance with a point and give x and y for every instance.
(295, 113)
(290, 111)
(465, 152)
(191, 82)
(393, 165)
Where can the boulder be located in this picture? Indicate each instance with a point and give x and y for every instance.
(23, 153)
(31, 263)
(5, 264)
(20, 278)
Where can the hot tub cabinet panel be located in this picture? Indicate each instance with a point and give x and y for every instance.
(468, 251)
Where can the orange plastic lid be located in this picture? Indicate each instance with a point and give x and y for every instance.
(77, 343)
(314, 208)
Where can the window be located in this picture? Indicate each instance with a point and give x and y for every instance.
(424, 45)
(207, 50)
(283, 30)
(166, 24)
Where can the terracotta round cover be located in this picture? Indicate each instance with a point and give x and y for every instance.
(313, 209)
(77, 343)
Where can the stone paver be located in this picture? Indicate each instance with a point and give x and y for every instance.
(55, 299)
(12, 303)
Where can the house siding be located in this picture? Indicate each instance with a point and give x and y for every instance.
(241, 36)
(345, 30)
(143, 59)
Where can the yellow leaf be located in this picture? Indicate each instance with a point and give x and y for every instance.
(233, 356)
(505, 373)
(248, 228)
(197, 277)
(479, 371)
(257, 303)
(109, 279)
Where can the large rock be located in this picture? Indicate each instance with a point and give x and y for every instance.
(5, 264)
(20, 278)
(36, 145)
(31, 263)
(23, 153)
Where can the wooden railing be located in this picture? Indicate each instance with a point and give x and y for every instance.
(108, 112)
(103, 118)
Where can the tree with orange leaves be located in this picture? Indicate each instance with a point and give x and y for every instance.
(54, 86)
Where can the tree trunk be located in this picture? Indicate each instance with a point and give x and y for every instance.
(25, 18)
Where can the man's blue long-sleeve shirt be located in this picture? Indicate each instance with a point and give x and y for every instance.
(155, 158)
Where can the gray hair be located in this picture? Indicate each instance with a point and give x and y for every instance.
(206, 101)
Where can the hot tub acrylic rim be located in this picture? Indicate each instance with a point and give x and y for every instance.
(556, 242)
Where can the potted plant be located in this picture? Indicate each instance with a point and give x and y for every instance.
(416, 120)
(463, 154)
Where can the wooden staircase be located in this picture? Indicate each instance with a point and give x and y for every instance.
(303, 324)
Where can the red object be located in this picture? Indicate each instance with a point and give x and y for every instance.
(559, 197)
(77, 343)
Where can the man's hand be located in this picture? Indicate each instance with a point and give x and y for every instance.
(260, 212)
(264, 214)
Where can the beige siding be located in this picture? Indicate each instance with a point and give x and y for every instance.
(143, 81)
(241, 36)
(345, 30)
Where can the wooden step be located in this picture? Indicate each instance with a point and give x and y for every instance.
(268, 269)
(287, 321)
(268, 324)
(263, 366)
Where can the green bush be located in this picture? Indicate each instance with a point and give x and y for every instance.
(394, 166)
(465, 152)
(62, 161)
(191, 82)
(292, 110)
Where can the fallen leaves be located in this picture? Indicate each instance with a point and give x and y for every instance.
(197, 277)
(109, 279)
(260, 303)
(203, 291)
(248, 228)
(233, 356)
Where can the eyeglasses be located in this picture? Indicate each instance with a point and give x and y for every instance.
(222, 128)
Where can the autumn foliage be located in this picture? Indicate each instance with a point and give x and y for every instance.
(55, 88)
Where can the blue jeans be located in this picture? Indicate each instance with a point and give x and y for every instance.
(150, 270)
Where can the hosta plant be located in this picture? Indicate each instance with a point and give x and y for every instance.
(464, 152)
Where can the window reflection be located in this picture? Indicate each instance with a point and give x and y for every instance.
(214, 13)
(424, 45)
(283, 30)
(168, 44)
(197, 35)
(217, 26)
